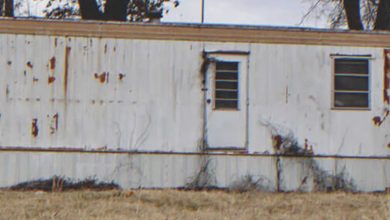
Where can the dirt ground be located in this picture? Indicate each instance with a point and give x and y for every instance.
(173, 204)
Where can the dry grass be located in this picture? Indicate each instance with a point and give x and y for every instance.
(172, 204)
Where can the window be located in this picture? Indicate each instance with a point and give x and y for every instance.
(226, 85)
(351, 82)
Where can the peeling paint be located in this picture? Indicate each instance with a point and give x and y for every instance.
(35, 79)
(34, 128)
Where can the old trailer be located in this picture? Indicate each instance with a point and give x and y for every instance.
(154, 105)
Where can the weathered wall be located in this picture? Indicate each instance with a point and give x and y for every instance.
(100, 93)
(146, 95)
(291, 94)
(181, 170)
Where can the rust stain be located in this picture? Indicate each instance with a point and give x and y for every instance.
(35, 79)
(386, 77)
(7, 91)
(53, 63)
(378, 120)
(29, 64)
(66, 70)
(121, 76)
(34, 127)
(277, 141)
(55, 42)
(103, 77)
(54, 124)
(51, 79)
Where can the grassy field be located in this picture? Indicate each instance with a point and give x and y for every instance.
(172, 204)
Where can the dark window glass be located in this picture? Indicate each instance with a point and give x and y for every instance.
(351, 100)
(351, 83)
(351, 66)
(226, 85)
(226, 104)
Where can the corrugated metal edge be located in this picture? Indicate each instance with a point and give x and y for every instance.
(233, 154)
(186, 32)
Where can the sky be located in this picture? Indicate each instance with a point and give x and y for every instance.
(249, 12)
(245, 12)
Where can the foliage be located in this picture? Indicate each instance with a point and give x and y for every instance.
(59, 183)
(61, 9)
(136, 11)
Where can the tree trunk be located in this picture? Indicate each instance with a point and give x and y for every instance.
(89, 10)
(9, 8)
(1, 7)
(352, 12)
(382, 21)
(116, 10)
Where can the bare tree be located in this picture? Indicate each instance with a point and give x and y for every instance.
(7, 8)
(354, 14)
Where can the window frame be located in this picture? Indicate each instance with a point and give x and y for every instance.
(333, 92)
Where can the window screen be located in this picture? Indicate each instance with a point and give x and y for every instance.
(226, 85)
(351, 83)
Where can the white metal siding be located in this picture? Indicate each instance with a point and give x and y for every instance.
(152, 98)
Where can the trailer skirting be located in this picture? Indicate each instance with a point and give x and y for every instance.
(169, 170)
